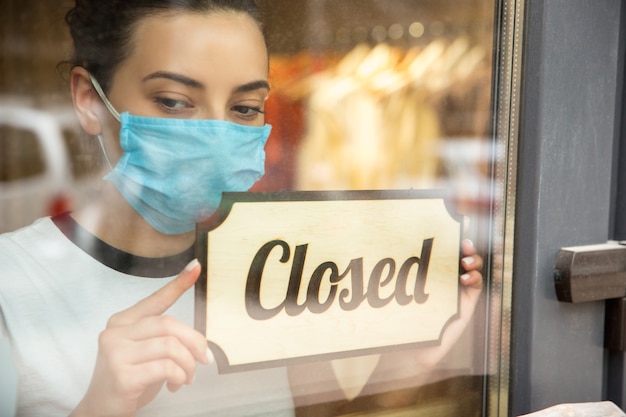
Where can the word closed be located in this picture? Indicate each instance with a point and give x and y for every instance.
(382, 275)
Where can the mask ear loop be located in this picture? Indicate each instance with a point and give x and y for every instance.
(107, 103)
(104, 152)
(109, 106)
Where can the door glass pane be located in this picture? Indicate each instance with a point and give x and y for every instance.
(365, 95)
(394, 95)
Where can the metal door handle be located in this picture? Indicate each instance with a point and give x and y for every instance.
(592, 273)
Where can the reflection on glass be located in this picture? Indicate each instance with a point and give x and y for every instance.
(366, 94)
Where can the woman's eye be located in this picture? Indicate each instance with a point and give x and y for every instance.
(247, 111)
(171, 104)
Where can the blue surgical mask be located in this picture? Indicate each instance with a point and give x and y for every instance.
(173, 171)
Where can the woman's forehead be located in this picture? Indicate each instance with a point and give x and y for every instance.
(201, 43)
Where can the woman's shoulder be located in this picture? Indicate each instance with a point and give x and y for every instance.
(41, 226)
(28, 238)
(26, 251)
(31, 240)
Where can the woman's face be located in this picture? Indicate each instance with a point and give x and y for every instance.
(194, 66)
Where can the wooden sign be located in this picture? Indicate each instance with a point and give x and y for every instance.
(309, 275)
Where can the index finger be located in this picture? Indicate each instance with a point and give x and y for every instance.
(162, 299)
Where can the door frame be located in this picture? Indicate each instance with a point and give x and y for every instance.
(572, 93)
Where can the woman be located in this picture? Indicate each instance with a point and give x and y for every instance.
(175, 92)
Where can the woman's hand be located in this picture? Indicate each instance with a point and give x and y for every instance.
(399, 369)
(410, 368)
(141, 349)
(472, 285)
(407, 364)
(472, 263)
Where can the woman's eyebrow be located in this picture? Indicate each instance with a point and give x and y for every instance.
(189, 82)
(254, 85)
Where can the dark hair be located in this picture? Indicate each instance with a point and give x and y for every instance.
(102, 30)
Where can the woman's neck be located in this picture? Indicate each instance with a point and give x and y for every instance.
(114, 221)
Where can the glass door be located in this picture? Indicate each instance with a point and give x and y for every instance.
(366, 95)
(378, 95)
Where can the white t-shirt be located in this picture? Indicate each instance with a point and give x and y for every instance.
(55, 299)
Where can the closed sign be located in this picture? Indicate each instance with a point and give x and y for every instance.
(302, 275)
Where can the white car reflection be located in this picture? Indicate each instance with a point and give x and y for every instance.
(47, 191)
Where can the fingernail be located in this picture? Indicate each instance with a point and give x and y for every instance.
(192, 265)
(465, 277)
(468, 260)
(209, 356)
(468, 242)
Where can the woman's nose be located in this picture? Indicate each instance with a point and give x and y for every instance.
(215, 112)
